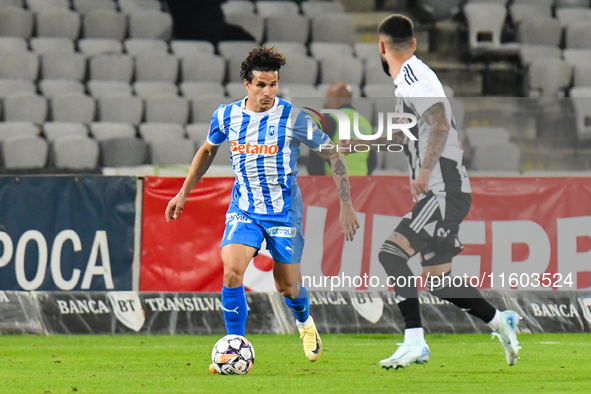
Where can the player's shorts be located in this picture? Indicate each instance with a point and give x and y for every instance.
(432, 234)
(282, 232)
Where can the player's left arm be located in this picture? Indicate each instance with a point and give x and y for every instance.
(437, 119)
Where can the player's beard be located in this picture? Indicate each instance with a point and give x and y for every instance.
(385, 65)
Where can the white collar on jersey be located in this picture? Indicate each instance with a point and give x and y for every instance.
(243, 107)
(400, 77)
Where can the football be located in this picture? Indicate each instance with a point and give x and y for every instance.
(232, 355)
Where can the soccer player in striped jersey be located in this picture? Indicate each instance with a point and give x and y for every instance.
(441, 189)
(265, 134)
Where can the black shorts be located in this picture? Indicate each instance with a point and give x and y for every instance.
(429, 233)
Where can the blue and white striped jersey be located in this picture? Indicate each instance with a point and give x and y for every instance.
(264, 149)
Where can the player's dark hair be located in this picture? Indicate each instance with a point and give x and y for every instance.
(261, 59)
(399, 29)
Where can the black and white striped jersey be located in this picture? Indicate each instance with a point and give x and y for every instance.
(417, 89)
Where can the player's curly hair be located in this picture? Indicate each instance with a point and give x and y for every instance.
(261, 59)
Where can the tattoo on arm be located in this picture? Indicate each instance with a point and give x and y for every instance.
(437, 119)
(344, 194)
(339, 167)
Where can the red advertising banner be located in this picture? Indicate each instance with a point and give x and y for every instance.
(517, 230)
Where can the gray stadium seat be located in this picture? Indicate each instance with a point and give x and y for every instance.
(485, 22)
(274, 8)
(577, 56)
(132, 6)
(581, 98)
(289, 90)
(198, 132)
(55, 130)
(105, 24)
(529, 53)
(393, 161)
(236, 91)
(63, 66)
(288, 48)
(374, 73)
(334, 28)
(203, 68)
(47, 5)
(367, 50)
(150, 24)
(73, 107)
(161, 131)
(578, 35)
(437, 10)
(123, 151)
(167, 109)
(156, 67)
(378, 90)
(11, 3)
(496, 157)
(237, 7)
(102, 131)
(111, 67)
(323, 88)
(150, 88)
(58, 23)
(24, 152)
(546, 5)
(139, 46)
(182, 48)
(288, 28)
(539, 30)
(582, 74)
(222, 157)
(100, 89)
(25, 106)
(482, 136)
(74, 152)
(570, 16)
(203, 107)
(16, 22)
(19, 65)
(299, 69)
(121, 109)
(323, 50)
(349, 70)
(171, 152)
(96, 46)
(11, 129)
(571, 3)
(252, 23)
(313, 9)
(549, 77)
(13, 44)
(196, 89)
(53, 87)
(9, 86)
(44, 45)
(236, 49)
(85, 6)
(519, 12)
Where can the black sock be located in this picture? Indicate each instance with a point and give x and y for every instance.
(464, 296)
(395, 262)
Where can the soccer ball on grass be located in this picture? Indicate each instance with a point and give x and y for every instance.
(232, 355)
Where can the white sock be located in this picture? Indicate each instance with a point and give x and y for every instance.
(494, 323)
(414, 334)
(308, 321)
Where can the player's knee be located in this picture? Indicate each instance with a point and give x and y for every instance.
(232, 277)
(392, 253)
(284, 288)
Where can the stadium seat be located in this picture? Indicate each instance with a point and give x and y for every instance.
(519, 12)
(502, 2)
(19, 65)
(367, 50)
(333, 28)
(25, 106)
(150, 24)
(289, 90)
(174, 151)
(237, 7)
(75, 152)
(288, 28)
(481, 136)
(436, 10)
(578, 35)
(529, 53)
(161, 131)
(13, 44)
(274, 8)
(496, 157)
(167, 109)
(111, 67)
(183, 48)
(581, 98)
(539, 30)
(252, 23)
(288, 48)
(102, 131)
(100, 89)
(378, 90)
(123, 151)
(105, 24)
(236, 49)
(22, 152)
(150, 88)
(120, 109)
(140, 46)
(11, 129)
(577, 56)
(393, 161)
(236, 91)
(63, 66)
(44, 45)
(485, 23)
(571, 3)
(47, 5)
(374, 73)
(96, 46)
(85, 6)
(156, 67)
(52, 87)
(72, 107)
(132, 6)
(324, 50)
(544, 4)
(203, 67)
(349, 70)
(16, 22)
(55, 130)
(315, 8)
(300, 69)
(198, 132)
(9, 86)
(58, 23)
(11, 3)
(582, 74)
(549, 77)
(196, 89)
(323, 88)
(570, 16)
(202, 108)
(223, 156)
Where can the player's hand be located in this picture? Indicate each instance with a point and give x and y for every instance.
(420, 184)
(175, 207)
(347, 146)
(349, 222)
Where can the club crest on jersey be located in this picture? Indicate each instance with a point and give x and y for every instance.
(257, 149)
(271, 131)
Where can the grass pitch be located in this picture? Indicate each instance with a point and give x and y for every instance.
(349, 364)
